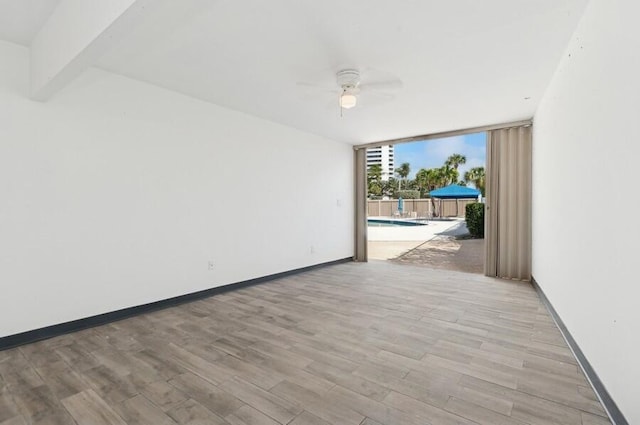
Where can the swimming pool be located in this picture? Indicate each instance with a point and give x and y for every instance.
(374, 222)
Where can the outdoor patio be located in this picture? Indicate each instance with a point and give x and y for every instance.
(441, 244)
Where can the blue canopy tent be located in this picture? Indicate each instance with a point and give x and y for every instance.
(454, 191)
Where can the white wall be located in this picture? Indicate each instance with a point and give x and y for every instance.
(586, 150)
(117, 193)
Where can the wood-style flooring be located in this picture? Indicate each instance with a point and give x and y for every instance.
(352, 344)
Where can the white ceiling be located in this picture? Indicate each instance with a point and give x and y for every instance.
(20, 20)
(463, 63)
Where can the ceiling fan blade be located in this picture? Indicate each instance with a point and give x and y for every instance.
(315, 87)
(389, 85)
(378, 96)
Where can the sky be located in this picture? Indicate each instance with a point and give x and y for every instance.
(433, 153)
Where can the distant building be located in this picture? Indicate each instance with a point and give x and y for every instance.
(383, 156)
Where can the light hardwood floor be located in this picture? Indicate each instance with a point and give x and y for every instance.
(368, 344)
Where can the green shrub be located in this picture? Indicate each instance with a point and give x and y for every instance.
(474, 216)
(409, 194)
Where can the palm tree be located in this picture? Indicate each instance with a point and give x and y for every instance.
(476, 176)
(422, 180)
(374, 173)
(455, 160)
(428, 179)
(438, 178)
(448, 175)
(374, 178)
(403, 172)
(389, 187)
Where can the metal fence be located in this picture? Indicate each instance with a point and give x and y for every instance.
(418, 208)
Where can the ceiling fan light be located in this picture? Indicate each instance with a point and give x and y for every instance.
(348, 101)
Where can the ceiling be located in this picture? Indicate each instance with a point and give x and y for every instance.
(462, 63)
(20, 20)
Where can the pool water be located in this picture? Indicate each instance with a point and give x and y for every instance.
(375, 224)
(393, 223)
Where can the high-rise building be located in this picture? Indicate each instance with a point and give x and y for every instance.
(383, 156)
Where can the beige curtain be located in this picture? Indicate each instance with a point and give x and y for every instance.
(360, 179)
(508, 208)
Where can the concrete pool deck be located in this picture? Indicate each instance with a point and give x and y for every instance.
(390, 242)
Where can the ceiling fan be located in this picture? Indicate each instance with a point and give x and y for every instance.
(351, 84)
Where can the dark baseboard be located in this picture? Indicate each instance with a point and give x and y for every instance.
(609, 404)
(27, 337)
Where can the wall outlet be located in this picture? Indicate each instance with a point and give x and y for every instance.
(210, 265)
(312, 250)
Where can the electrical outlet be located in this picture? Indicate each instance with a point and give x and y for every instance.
(210, 265)
(312, 250)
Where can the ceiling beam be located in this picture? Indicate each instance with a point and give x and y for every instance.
(74, 37)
